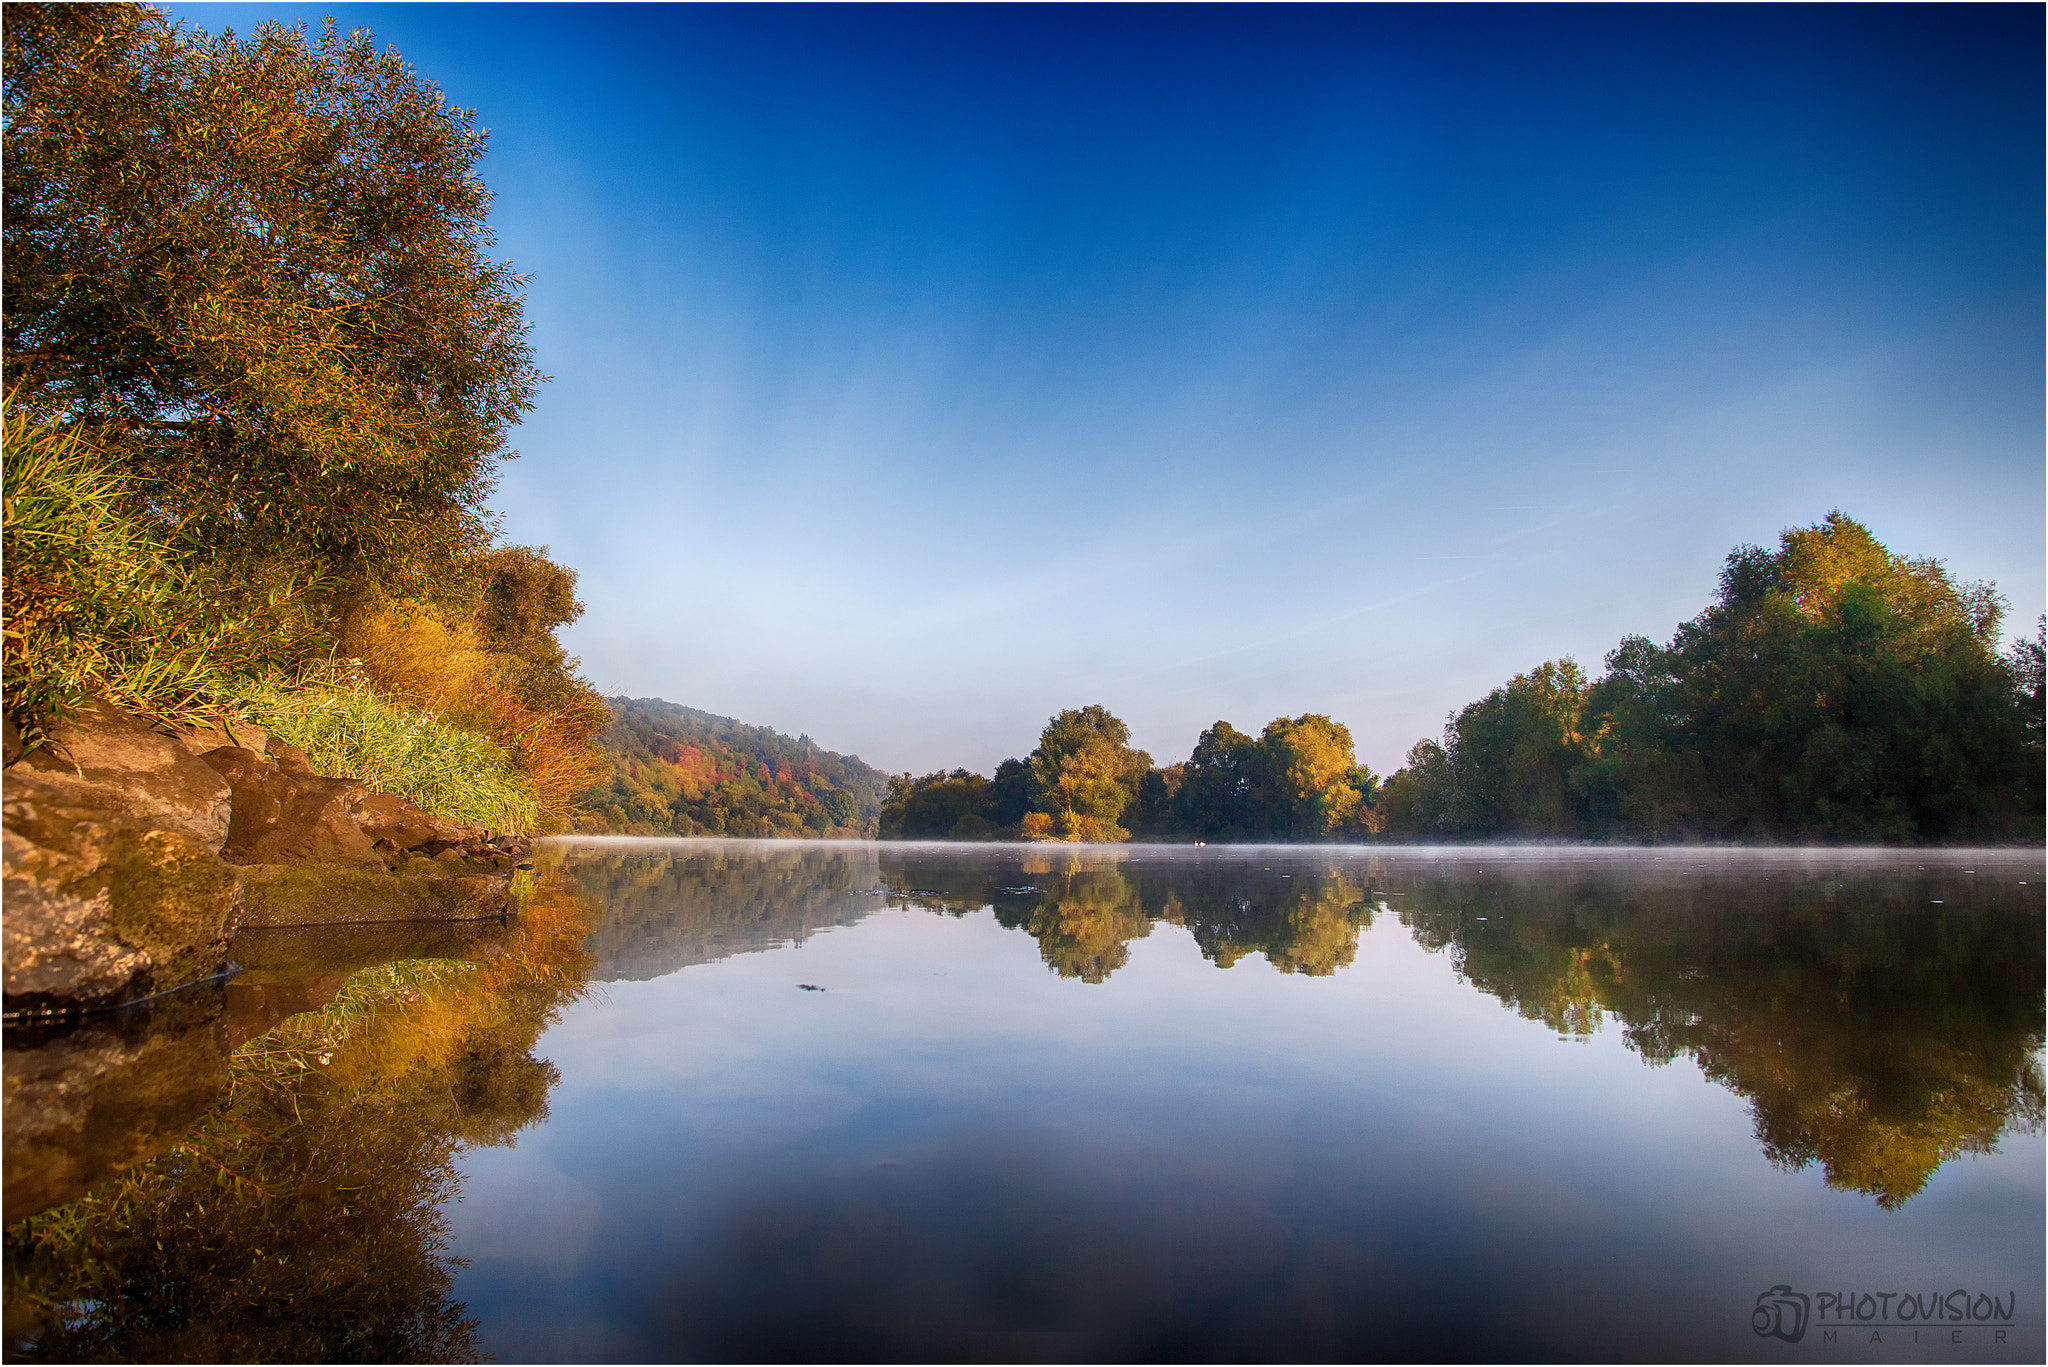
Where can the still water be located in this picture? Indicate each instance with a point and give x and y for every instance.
(768, 1101)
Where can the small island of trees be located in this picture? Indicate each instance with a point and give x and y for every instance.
(1834, 691)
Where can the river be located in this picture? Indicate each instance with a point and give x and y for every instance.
(753, 1101)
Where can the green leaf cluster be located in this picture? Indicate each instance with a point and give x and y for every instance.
(99, 598)
(257, 270)
(260, 366)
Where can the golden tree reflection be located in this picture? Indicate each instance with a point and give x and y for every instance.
(301, 1220)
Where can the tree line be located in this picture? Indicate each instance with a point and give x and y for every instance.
(678, 771)
(1833, 691)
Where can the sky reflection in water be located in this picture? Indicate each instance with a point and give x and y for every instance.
(1041, 1124)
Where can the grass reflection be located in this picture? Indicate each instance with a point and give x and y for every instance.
(300, 1220)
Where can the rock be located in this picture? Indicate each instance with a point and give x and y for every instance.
(87, 1099)
(385, 817)
(282, 816)
(314, 895)
(116, 761)
(289, 758)
(198, 739)
(104, 907)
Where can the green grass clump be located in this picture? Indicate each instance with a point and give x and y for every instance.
(100, 597)
(349, 732)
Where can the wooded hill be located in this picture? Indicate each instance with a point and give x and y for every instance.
(679, 771)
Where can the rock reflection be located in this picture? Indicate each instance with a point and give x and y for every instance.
(300, 1220)
(87, 1099)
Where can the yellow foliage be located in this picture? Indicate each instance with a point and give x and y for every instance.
(547, 719)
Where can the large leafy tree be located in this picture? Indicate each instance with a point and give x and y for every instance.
(257, 270)
(1834, 690)
(1837, 689)
(1084, 773)
(1220, 786)
(1317, 787)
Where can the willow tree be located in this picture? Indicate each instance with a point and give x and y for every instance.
(256, 270)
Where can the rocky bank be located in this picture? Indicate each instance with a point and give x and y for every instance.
(135, 851)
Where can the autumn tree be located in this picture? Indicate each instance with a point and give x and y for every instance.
(257, 270)
(1083, 775)
(1834, 690)
(1316, 787)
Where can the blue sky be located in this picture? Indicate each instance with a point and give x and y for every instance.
(920, 371)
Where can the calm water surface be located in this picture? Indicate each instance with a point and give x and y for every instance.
(829, 1102)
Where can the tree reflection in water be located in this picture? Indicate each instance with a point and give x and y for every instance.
(1870, 1033)
(300, 1221)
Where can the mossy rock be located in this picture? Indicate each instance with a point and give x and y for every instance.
(281, 953)
(323, 895)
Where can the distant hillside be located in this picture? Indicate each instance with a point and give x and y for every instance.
(679, 771)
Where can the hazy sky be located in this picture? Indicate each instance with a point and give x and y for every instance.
(921, 371)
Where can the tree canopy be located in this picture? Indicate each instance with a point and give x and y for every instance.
(257, 270)
(1834, 690)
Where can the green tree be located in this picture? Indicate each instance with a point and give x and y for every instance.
(1218, 789)
(936, 807)
(257, 271)
(1838, 690)
(1835, 690)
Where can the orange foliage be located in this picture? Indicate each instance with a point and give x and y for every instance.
(548, 721)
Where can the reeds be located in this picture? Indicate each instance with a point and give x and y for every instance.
(348, 731)
(99, 598)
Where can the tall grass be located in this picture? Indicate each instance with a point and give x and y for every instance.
(100, 598)
(348, 731)
(547, 720)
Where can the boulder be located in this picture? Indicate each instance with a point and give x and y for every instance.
(385, 818)
(198, 738)
(117, 762)
(289, 758)
(104, 907)
(284, 816)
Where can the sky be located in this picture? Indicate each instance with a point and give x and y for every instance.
(918, 372)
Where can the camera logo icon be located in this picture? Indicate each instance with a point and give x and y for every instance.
(1780, 1314)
